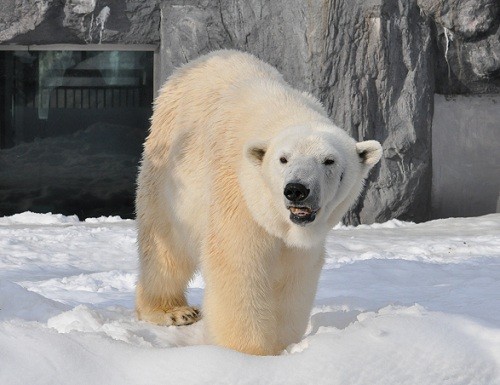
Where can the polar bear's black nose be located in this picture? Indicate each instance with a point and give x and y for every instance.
(296, 192)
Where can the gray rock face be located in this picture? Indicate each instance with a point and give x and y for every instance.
(109, 21)
(380, 85)
(468, 19)
(78, 16)
(20, 16)
(485, 56)
(467, 67)
(369, 62)
(80, 21)
(467, 45)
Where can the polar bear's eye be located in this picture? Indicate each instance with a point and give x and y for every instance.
(283, 160)
(328, 162)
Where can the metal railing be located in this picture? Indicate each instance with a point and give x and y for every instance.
(95, 97)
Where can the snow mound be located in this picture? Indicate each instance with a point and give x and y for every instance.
(119, 324)
(103, 289)
(30, 218)
(19, 303)
(104, 282)
(110, 219)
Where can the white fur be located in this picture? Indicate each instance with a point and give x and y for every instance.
(210, 192)
(306, 147)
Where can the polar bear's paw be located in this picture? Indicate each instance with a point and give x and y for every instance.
(176, 316)
(182, 315)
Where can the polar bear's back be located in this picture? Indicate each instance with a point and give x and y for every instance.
(234, 85)
(195, 91)
(219, 69)
(207, 78)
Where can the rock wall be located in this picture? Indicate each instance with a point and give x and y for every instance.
(80, 22)
(467, 45)
(375, 64)
(370, 63)
(20, 16)
(466, 175)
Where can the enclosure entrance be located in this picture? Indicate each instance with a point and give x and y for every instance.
(72, 123)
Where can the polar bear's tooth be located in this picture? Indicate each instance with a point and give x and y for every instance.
(300, 211)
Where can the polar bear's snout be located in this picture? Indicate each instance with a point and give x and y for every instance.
(303, 205)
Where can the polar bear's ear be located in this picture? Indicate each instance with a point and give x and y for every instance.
(370, 152)
(255, 151)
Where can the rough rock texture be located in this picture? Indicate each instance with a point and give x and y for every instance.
(380, 85)
(106, 21)
(465, 67)
(467, 38)
(20, 16)
(80, 22)
(370, 63)
(468, 19)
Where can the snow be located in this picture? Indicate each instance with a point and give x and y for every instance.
(397, 303)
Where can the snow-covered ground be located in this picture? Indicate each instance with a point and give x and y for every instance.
(398, 303)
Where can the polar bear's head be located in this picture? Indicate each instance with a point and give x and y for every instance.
(306, 179)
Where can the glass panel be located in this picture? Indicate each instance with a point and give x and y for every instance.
(72, 125)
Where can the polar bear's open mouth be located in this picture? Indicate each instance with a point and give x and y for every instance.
(302, 215)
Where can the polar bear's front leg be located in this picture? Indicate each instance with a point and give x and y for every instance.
(163, 279)
(295, 292)
(239, 309)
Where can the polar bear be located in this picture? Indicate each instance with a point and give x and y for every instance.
(242, 176)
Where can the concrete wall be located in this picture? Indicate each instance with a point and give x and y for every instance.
(466, 155)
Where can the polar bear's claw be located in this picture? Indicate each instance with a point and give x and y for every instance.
(182, 315)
